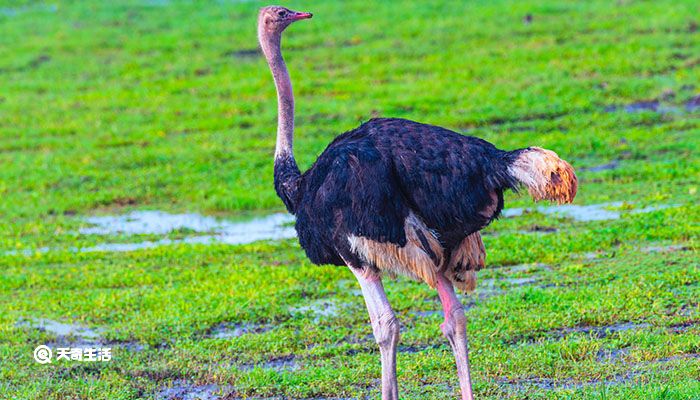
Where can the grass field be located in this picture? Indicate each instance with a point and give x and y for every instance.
(111, 107)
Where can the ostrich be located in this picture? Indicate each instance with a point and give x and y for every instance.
(394, 196)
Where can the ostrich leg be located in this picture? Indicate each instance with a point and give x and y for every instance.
(455, 330)
(385, 327)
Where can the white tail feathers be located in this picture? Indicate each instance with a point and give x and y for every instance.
(545, 175)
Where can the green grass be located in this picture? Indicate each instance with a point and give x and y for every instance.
(108, 107)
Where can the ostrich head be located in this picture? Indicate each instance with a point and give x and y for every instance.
(272, 20)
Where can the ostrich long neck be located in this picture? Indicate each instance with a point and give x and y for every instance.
(286, 170)
(270, 44)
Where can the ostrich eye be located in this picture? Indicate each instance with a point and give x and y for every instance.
(281, 13)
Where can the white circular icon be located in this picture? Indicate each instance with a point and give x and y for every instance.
(42, 354)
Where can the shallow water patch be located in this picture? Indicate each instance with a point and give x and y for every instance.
(426, 313)
(598, 332)
(65, 332)
(318, 309)
(227, 330)
(16, 11)
(496, 282)
(526, 384)
(693, 104)
(611, 355)
(196, 228)
(280, 364)
(74, 335)
(602, 331)
(646, 106)
(665, 249)
(588, 213)
(524, 268)
(614, 164)
(183, 390)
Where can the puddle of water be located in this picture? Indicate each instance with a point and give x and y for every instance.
(646, 106)
(425, 314)
(272, 227)
(526, 384)
(227, 331)
(684, 326)
(321, 308)
(244, 53)
(287, 363)
(611, 355)
(664, 249)
(182, 390)
(417, 348)
(599, 332)
(593, 256)
(490, 283)
(75, 335)
(602, 167)
(15, 11)
(156, 3)
(593, 212)
(693, 104)
(603, 331)
(60, 329)
(525, 268)
(350, 286)
(160, 223)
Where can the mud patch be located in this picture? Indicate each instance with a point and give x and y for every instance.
(593, 212)
(183, 390)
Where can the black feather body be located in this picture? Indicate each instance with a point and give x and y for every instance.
(368, 180)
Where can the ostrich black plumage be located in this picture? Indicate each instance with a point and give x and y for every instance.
(399, 197)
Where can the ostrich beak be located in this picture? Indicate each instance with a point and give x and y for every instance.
(301, 15)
